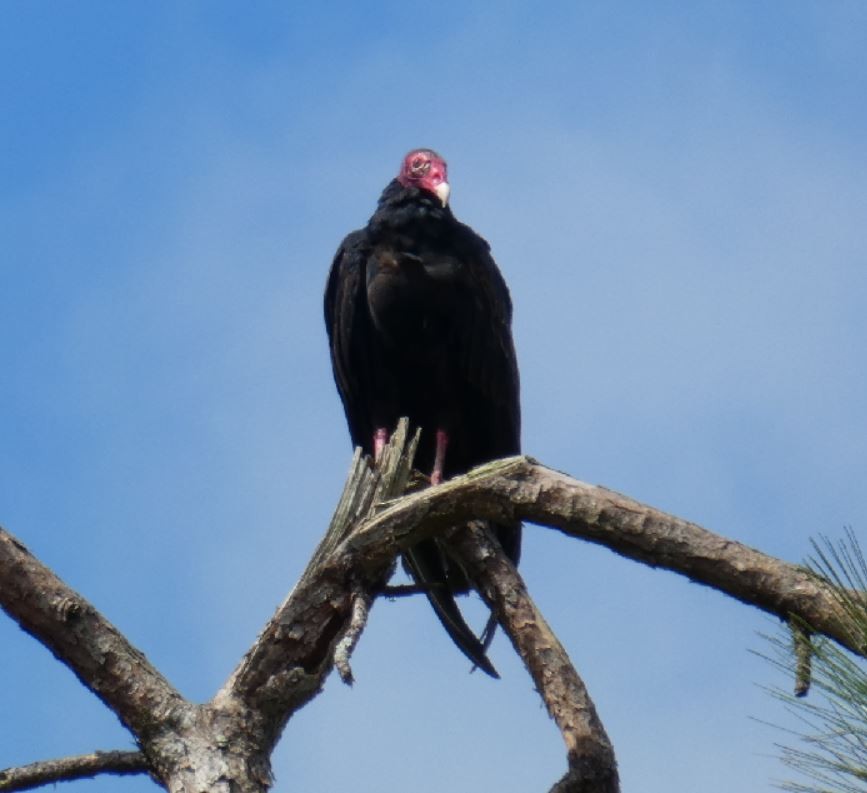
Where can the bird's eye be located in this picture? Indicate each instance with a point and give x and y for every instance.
(419, 166)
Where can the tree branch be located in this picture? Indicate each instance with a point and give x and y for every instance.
(80, 637)
(68, 768)
(288, 663)
(519, 488)
(225, 745)
(592, 766)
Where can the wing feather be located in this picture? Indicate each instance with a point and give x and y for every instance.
(347, 321)
(488, 359)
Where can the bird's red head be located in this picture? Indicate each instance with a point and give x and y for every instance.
(424, 168)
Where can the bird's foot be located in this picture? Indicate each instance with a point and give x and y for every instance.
(436, 476)
(380, 439)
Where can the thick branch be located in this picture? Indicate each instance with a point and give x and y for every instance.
(79, 636)
(293, 655)
(519, 488)
(68, 768)
(592, 767)
(290, 660)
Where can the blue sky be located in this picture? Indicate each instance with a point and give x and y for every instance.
(677, 197)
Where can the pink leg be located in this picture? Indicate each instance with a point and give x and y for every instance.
(440, 458)
(380, 438)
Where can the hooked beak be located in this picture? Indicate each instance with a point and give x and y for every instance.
(442, 191)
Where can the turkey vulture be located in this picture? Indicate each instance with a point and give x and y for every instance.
(419, 325)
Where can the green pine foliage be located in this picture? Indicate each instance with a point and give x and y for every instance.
(829, 751)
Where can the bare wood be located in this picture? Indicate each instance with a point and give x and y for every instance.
(802, 646)
(80, 637)
(290, 660)
(592, 767)
(361, 604)
(68, 768)
(225, 745)
(519, 488)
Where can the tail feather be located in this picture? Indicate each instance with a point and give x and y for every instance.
(488, 633)
(425, 565)
(509, 536)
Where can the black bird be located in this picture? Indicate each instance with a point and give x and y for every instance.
(419, 324)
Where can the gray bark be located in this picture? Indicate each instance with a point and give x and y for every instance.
(225, 744)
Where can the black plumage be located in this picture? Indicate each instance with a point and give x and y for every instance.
(419, 324)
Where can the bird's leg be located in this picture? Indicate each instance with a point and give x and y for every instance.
(440, 457)
(380, 438)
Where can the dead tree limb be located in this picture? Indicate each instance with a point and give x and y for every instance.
(79, 636)
(293, 655)
(592, 767)
(225, 745)
(519, 488)
(66, 769)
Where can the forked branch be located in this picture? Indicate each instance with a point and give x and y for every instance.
(225, 744)
(519, 488)
(592, 767)
(76, 633)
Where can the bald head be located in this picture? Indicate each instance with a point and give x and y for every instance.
(425, 169)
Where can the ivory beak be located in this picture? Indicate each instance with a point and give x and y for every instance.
(442, 190)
